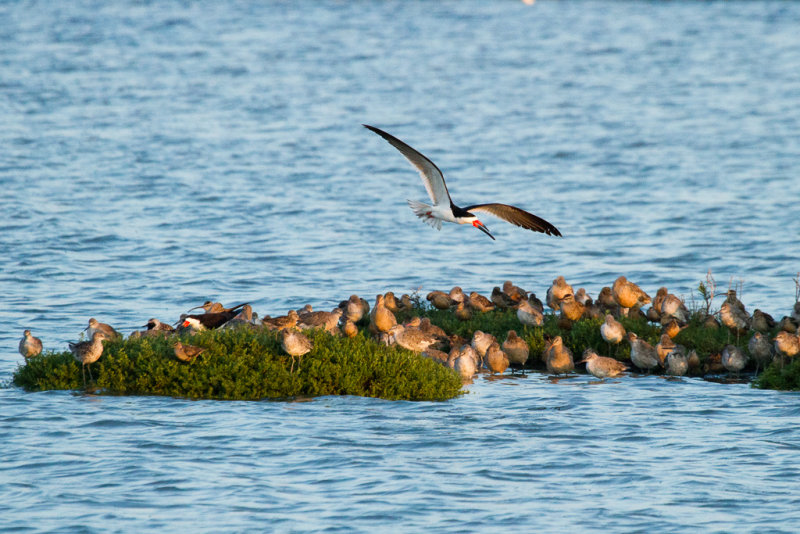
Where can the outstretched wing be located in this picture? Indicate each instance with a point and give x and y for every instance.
(431, 175)
(516, 216)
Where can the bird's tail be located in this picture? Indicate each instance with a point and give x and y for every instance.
(424, 212)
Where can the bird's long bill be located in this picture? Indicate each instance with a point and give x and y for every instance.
(480, 226)
(195, 308)
(583, 361)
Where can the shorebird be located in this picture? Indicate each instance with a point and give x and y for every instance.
(628, 295)
(283, 322)
(354, 308)
(216, 307)
(295, 344)
(612, 330)
(496, 360)
(516, 348)
(606, 301)
(571, 308)
(528, 315)
(481, 342)
(321, 319)
(500, 299)
(672, 328)
(734, 317)
(763, 322)
(463, 312)
(559, 358)
(244, 317)
(787, 345)
(440, 300)
(761, 350)
(88, 352)
(29, 346)
(515, 293)
(107, 330)
(390, 302)
(437, 356)
(426, 326)
(733, 359)
(664, 347)
(788, 324)
(457, 295)
(480, 303)
(443, 209)
(349, 328)
(557, 292)
(412, 339)
(601, 366)
(464, 360)
(583, 297)
(381, 318)
(694, 360)
(187, 353)
(643, 355)
(678, 363)
(672, 306)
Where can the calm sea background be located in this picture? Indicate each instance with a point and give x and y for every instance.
(155, 155)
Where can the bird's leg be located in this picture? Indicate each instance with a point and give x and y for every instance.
(291, 368)
(83, 373)
(90, 372)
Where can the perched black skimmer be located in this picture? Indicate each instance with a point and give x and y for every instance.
(443, 209)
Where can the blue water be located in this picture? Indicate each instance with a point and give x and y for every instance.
(153, 156)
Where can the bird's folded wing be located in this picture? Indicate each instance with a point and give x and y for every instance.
(516, 216)
(431, 175)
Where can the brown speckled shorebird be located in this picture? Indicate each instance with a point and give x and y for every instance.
(210, 307)
(496, 360)
(321, 319)
(88, 352)
(107, 330)
(440, 300)
(528, 315)
(694, 361)
(500, 299)
(673, 307)
(515, 293)
(760, 349)
(283, 322)
(354, 308)
(583, 297)
(557, 292)
(187, 353)
(516, 348)
(30, 346)
(413, 339)
(559, 358)
(762, 322)
(643, 355)
(381, 318)
(480, 303)
(295, 344)
(390, 302)
(628, 295)
(436, 355)
(733, 359)
(457, 295)
(606, 301)
(601, 366)
(734, 317)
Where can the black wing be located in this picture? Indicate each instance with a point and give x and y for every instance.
(516, 216)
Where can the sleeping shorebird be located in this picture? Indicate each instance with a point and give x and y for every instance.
(443, 209)
(557, 292)
(733, 359)
(30, 346)
(760, 348)
(643, 354)
(558, 357)
(496, 360)
(516, 349)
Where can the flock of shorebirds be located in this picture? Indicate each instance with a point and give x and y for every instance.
(483, 350)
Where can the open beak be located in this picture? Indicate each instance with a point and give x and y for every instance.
(482, 227)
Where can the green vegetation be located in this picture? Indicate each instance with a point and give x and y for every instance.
(781, 377)
(245, 364)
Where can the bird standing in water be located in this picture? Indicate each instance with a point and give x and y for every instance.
(443, 209)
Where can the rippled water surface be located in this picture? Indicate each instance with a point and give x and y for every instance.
(156, 155)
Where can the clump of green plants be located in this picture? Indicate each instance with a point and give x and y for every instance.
(247, 364)
(781, 377)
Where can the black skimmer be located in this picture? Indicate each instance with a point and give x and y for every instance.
(443, 209)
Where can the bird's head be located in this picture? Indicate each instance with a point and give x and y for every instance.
(482, 227)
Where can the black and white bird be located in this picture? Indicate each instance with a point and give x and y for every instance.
(443, 209)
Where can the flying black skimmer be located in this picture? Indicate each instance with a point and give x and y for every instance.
(443, 209)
